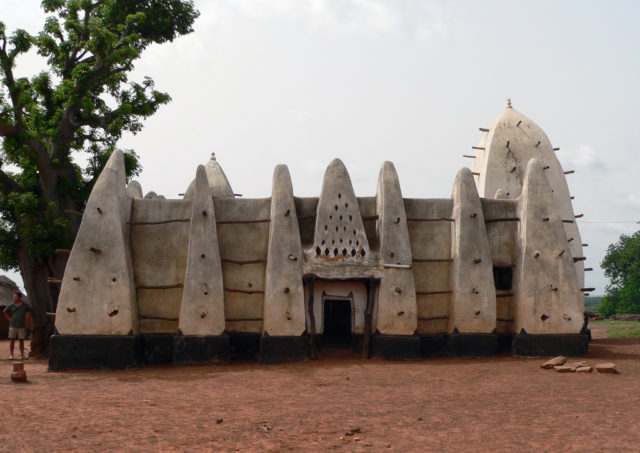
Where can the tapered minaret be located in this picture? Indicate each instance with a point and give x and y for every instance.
(501, 159)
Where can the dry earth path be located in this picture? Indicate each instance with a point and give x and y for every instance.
(440, 404)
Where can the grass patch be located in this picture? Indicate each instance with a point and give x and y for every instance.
(618, 329)
(630, 331)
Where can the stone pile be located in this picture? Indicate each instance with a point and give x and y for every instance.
(625, 317)
(561, 365)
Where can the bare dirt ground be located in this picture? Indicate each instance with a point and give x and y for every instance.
(599, 331)
(441, 404)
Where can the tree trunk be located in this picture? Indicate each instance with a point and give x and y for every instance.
(35, 271)
(42, 296)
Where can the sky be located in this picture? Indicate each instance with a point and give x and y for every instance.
(300, 82)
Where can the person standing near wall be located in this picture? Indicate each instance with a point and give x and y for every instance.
(17, 313)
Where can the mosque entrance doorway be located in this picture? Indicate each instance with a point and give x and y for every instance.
(337, 323)
(340, 315)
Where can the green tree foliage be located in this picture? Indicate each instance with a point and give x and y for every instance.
(622, 265)
(82, 103)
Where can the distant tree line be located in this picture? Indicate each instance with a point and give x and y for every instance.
(622, 266)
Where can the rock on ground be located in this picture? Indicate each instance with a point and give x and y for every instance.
(607, 367)
(556, 361)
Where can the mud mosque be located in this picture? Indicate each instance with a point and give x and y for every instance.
(214, 277)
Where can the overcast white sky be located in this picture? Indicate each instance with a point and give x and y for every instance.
(263, 82)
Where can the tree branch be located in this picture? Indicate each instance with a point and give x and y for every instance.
(82, 54)
(94, 139)
(10, 83)
(42, 158)
(7, 184)
(7, 130)
(95, 121)
(89, 59)
(73, 58)
(125, 33)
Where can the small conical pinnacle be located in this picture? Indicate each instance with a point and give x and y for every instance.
(508, 103)
(213, 156)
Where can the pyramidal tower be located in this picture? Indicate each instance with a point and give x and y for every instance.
(218, 182)
(501, 158)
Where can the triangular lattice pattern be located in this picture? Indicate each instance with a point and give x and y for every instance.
(339, 234)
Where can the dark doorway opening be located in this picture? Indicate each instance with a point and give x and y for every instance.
(337, 323)
(503, 277)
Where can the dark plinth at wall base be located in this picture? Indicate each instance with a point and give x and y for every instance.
(433, 344)
(357, 341)
(472, 344)
(280, 349)
(532, 345)
(157, 348)
(505, 341)
(396, 347)
(193, 349)
(244, 345)
(94, 352)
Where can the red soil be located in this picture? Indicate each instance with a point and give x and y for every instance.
(441, 404)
